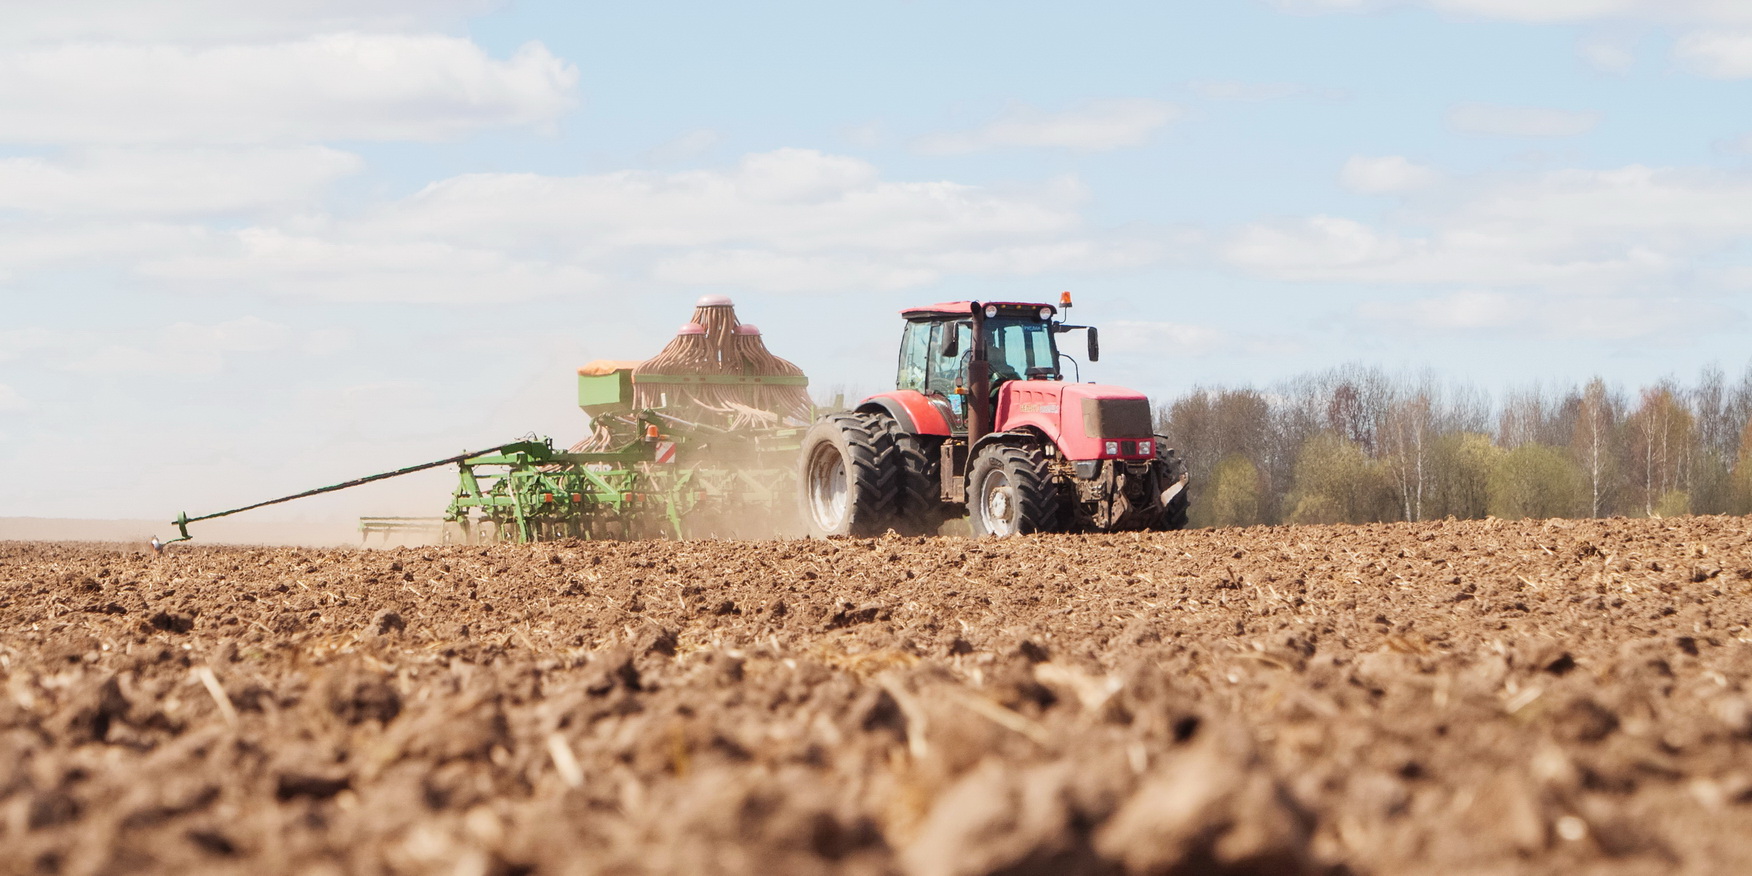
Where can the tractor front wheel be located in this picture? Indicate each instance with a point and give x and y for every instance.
(849, 476)
(1010, 492)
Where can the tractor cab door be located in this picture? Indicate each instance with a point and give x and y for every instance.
(934, 355)
(915, 357)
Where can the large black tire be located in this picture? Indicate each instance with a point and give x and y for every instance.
(918, 510)
(848, 477)
(1010, 492)
(1173, 469)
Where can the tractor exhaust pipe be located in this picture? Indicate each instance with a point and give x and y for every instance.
(979, 382)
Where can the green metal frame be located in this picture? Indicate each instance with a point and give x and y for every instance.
(718, 481)
(531, 492)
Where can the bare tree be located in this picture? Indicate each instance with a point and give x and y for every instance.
(1211, 425)
(1594, 441)
(1422, 448)
(1661, 432)
(1408, 427)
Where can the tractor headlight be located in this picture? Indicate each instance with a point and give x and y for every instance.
(1111, 448)
(991, 311)
(1146, 448)
(1045, 314)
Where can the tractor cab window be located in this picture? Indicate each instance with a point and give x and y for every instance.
(1017, 347)
(915, 356)
(948, 370)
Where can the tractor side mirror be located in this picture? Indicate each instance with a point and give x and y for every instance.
(951, 343)
(1094, 345)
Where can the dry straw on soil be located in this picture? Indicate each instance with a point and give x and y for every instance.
(1442, 698)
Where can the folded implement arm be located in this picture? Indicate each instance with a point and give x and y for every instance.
(182, 520)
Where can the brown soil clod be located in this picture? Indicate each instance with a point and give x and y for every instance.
(1450, 697)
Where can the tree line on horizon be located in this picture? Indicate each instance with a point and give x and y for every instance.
(1356, 444)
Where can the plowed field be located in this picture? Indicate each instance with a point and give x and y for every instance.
(1480, 697)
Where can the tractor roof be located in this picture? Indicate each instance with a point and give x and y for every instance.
(965, 308)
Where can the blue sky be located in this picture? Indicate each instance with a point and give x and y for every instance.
(242, 253)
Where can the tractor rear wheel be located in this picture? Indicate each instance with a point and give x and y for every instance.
(917, 510)
(1010, 492)
(849, 476)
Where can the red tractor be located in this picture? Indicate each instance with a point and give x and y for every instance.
(982, 420)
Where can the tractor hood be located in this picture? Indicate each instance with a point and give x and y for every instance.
(1086, 420)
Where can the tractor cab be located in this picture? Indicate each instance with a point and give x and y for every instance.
(940, 360)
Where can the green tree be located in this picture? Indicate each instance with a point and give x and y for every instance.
(1233, 498)
(1336, 482)
(1539, 481)
(1461, 466)
(1673, 503)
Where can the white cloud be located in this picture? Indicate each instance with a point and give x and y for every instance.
(1097, 126)
(1164, 339)
(11, 401)
(215, 20)
(1581, 232)
(247, 334)
(37, 243)
(781, 272)
(1520, 121)
(1313, 248)
(1722, 55)
(279, 262)
(1468, 309)
(1511, 253)
(329, 341)
(1721, 48)
(1386, 174)
(691, 144)
(1548, 11)
(18, 343)
(341, 86)
(1703, 11)
(170, 182)
(182, 349)
(868, 135)
(1670, 209)
(1259, 92)
(1589, 318)
(788, 220)
(1608, 55)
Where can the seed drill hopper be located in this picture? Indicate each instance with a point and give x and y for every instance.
(699, 441)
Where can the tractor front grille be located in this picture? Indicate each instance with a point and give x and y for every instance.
(1116, 417)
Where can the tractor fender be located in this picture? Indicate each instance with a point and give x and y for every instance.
(910, 408)
(1015, 438)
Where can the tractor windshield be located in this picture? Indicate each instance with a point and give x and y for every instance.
(1020, 349)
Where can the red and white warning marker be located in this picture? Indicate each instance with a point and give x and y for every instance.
(665, 452)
